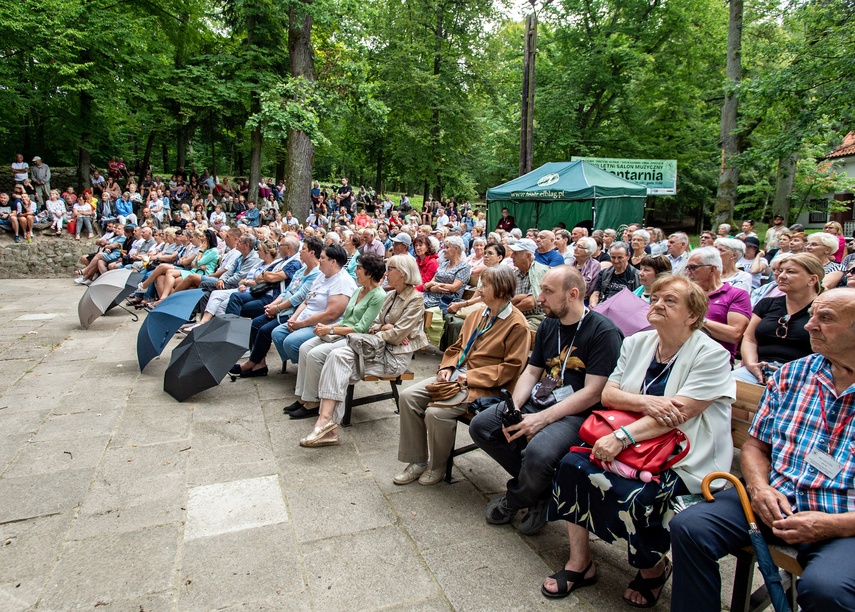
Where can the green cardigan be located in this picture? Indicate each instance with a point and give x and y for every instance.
(360, 315)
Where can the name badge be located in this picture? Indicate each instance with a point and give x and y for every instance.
(824, 462)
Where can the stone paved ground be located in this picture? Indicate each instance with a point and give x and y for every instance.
(113, 496)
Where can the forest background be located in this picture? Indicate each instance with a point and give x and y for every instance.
(424, 96)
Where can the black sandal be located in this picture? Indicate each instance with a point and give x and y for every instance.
(564, 578)
(645, 586)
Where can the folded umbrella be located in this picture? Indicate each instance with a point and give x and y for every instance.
(770, 571)
(162, 323)
(106, 292)
(204, 357)
(627, 311)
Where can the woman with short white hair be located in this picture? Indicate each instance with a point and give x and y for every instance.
(731, 251)
(586, 263)
(639, 241)
(823, 246)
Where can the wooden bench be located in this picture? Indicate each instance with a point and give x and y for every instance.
(394, 383)
(743, 599)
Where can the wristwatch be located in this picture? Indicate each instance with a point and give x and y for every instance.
(624, 439)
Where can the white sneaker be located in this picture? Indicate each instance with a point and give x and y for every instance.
(79, 280)
(432, 477)
(410, 474)
(87, 282)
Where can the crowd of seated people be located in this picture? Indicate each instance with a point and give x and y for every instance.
(344, 296)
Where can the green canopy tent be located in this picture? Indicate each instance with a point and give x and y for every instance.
(568, 192)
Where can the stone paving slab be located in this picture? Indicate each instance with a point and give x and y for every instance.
(115, 497)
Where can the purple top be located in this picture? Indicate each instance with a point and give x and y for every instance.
(728, 299)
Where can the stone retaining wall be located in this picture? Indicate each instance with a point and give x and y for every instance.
(48, 256)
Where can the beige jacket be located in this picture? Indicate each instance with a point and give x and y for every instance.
(406, 311)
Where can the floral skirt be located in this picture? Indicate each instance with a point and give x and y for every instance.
(616, 508)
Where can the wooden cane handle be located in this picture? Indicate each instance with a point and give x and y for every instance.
(743, 494)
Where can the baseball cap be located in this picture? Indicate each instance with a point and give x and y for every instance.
(37, 158)
(778, 217)
(403, 238)
(526, 244)
(752, 241)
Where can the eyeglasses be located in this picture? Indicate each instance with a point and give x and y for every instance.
(782, 326)
(694, 267)
(850, 272)
(391, 268)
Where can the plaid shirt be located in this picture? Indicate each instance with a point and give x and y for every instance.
(790, 420)
(524, 288)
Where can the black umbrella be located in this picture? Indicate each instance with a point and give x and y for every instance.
(162, 323)
(770, 571)
(204, 357)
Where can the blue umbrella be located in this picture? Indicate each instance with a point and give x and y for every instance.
(162, 323)
(770, 571)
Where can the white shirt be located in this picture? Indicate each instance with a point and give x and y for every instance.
(323, 288)
(22, 170)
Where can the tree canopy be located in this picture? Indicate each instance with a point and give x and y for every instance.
(423, 96)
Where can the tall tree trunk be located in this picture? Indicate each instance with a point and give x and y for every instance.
(149, 145)
(255, 158)
(527, 114)
(164, 156)
(435, 130)
(180, 143)
(378, 177)
(301, 151)
(729, 139)
(213, 148)
(784, 186)
(281, 157)
(83, 158)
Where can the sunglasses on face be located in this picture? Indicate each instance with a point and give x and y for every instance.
(694, 267)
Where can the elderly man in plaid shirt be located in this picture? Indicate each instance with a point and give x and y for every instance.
(799, 470)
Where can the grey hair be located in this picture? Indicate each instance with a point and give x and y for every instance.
(681, 237)
(479, 241)
(249, 240)
(709, 256)
(334, 238)
(610, 232)
(726, 227)
(589, 244)
(516, 232)
(733, 245)
(408, 268)
(456, 242)
(645, 235)
(619, 244)
(829, 241)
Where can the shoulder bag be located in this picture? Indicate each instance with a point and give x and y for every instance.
(654, 455)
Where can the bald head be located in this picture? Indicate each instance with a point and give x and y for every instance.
(832, 326)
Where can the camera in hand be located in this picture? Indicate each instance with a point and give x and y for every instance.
(511, 415)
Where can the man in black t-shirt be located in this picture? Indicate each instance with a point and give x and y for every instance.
(616, 277)
(575, 351)
(345, 195)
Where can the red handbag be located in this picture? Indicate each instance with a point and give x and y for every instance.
(654, 455)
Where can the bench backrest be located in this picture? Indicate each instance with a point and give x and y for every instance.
(743, 410)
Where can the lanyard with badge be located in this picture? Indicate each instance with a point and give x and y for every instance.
(549, 390)
(475, 335)
(823, 461)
